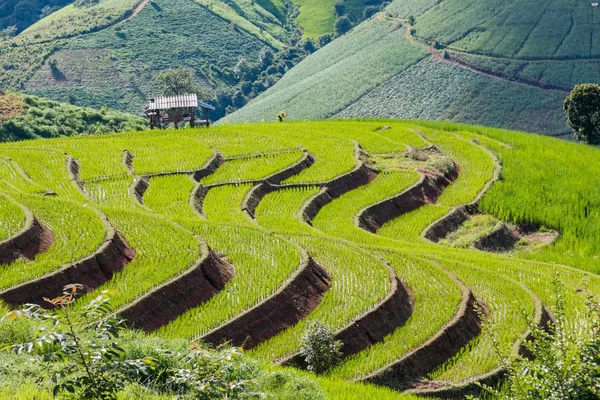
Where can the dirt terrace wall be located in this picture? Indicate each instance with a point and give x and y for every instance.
(465, 325)
(73, 170)
(127, 161)
(472, 386)
(140, 185)
(391, 313)
(165, 303)
(210, 167)
(298, 298)
(91, 272)
(449, 223)
(426, 191)
(33, 239)
(333, 189)
(500, 239)
(456, 217)
(306, 161)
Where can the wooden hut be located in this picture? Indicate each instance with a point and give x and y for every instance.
(163, 110)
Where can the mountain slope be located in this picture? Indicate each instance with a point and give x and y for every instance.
(499, 70)
(110, 53)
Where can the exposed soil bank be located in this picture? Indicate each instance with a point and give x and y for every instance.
(173, 298)
(542, 317)
(91, 272)
(33, 239)
(391, 313)
(333, 189)
(426, 191)
(294, 301)
(465, 325)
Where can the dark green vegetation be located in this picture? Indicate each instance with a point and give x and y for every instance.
(582, 107)
(496, 63)
(23, 13)
(333, 220)
(31, 117)
(110, 52)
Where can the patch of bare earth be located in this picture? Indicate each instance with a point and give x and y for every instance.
(11, 105)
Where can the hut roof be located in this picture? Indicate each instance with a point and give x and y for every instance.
(180, 101)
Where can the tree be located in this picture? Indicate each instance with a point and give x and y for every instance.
(324, 40)
(309, 46)
(177, 81)
(340, 8)
(343, 25)
(320, 348)
(582, 108)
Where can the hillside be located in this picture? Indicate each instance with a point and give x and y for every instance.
(403, 237)
(30, 117)
(497, 63)
(109, 53)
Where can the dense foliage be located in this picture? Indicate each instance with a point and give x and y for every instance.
(582, 107)
(45, 118)
(23, 13)
(320, 349)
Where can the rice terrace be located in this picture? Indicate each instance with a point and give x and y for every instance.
(299, 199)
(247, 233)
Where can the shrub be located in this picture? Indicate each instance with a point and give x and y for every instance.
(369, 11)
(582, 108)
(343, 25)
(340, 8)
(320, 348)
(565, 359)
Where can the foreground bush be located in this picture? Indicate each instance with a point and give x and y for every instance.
(564, 362)
(87, 353)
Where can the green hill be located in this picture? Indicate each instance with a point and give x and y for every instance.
(395, 234)
(110, 53)
(505, 64)
(30, 117)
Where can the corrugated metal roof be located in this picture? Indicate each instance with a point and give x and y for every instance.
(180, 101)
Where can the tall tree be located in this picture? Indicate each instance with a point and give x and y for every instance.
(582, 108)
(178, 81)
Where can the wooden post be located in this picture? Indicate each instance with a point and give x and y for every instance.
(206, 114)
(192, 118)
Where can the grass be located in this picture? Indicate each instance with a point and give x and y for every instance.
(78, 232)
(252, 169)
(13, 218)
(72, 20)
(360, 282)
(476, 168)
(436, 299)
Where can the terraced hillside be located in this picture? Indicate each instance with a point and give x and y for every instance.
(248, 233)
(495, 63)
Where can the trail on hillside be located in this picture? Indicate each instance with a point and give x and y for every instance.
(453, 60)
(135, 12)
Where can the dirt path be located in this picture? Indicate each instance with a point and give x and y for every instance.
(135, 12)
(453, 60)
